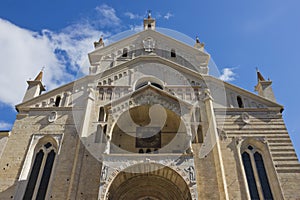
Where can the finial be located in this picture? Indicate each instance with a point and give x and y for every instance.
(39, 77)
(259, 76)
(198, 44)
(149, 14)
(100, 43)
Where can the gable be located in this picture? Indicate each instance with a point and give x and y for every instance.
(137, 45)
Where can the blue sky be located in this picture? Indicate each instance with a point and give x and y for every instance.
(239, 35)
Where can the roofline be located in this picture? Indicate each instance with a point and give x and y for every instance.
(243, 90)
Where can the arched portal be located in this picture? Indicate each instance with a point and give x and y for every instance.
(149, 129)
(149, 181)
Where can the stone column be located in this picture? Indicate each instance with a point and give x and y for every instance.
(87, 114)
(212, 131)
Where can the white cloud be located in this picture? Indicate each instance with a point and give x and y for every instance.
(5, 126)
(168, 15)
(107, 16)
(227, 74)
(137, 27)
(63, 53)
(133, 16)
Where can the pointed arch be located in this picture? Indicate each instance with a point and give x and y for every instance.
(259, 170)
(39, 178)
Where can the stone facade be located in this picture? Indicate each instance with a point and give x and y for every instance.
(148, 122)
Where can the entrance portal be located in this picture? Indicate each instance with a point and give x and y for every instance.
(149, 181)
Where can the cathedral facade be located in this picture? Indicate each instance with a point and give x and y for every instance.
(148, 123)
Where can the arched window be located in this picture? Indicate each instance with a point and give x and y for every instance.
(109, 81)
(262, 174)
(254, 167)
(101, 114)
(41, 172)
(57, 101)
(125, 53)
(173, 53)
(148, 151)
(101, 94)
(141, 151)
(240, 102)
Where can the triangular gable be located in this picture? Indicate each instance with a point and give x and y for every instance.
(163, 44)
(140, 36)
(157, 96)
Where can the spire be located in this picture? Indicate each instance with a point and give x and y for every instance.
(198, 44)
(100, 43)
(149, 22)
(259, 76)
(35, 87)
(39, 77)
(264, 88)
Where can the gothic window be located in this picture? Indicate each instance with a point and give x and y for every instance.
(256, 174)
(125, 53)
(240, 102)
(40, 174)
(262, 174)
(173, 53)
